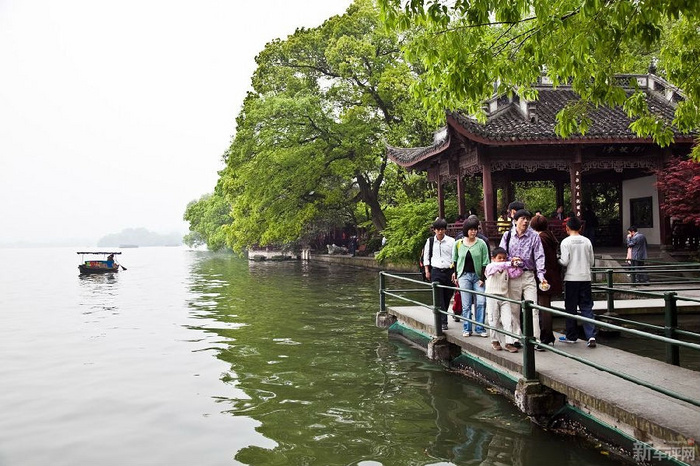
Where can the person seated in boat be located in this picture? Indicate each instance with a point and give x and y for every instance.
(110, 261)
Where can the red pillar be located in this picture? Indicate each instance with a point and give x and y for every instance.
(665, 231)
(508, 191)
(441, 198)
(576, 175)
(489, 204)
(461, 204)
(560, 193)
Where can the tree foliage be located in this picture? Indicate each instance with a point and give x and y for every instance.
(310, 144)
(208, 217)
(537, 195)
(679, 183)
(409, 217)
(408, 227)
(470, 49)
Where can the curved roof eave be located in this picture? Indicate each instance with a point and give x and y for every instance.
(423, 153)
(515, 141)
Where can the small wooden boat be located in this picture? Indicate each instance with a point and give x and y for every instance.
(107, 265)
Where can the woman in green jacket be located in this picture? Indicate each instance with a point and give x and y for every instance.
(470, 257)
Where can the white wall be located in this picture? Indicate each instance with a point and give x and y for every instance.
(641, 187)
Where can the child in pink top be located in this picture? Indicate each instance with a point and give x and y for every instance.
(498, 274)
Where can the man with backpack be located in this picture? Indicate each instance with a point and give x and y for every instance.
(437, 264)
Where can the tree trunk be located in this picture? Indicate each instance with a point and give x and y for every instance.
(369, 197)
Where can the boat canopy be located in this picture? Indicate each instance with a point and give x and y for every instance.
(93, 252)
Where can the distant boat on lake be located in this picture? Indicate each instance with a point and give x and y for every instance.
(107, 265)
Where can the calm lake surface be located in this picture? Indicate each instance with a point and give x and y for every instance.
(191, 357)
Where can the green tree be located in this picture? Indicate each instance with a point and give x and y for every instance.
(310, 144)
(538, 195)
(408, 227)
(470, 47)
(208, 217)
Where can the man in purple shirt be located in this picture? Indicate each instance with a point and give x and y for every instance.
(525, 250)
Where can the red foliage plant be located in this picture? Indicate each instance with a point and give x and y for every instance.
(679, 184)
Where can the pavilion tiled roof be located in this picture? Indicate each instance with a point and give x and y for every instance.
(511, 125)
(511, 122)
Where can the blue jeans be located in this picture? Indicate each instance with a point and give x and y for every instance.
(578, 294)
(470, 281)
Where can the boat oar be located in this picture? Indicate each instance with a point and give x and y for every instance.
(123, 268)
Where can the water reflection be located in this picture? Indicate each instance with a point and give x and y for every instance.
(328, 387)
(98, 293)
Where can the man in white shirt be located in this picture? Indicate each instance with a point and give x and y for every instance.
(438, 264)
(577, 257)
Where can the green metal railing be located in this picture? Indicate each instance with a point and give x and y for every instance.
(681, 276)
(527, 338)
(684, 277)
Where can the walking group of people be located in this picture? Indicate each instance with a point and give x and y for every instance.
(525, 266)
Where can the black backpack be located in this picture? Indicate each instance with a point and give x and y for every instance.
(421, 265)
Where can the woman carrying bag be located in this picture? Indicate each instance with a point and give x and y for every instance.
(470, 256)
(552, 275)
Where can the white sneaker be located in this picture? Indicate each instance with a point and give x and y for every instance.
(483, 334)
(466, 334)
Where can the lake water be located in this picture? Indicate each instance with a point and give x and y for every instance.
(191, 357)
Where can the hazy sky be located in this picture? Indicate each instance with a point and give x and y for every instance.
(116, 114)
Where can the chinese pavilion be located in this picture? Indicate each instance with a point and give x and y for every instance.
(518, 143)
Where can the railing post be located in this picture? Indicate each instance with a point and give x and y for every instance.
(528, 347)
(610, 293)
(436, 309)
(382, 297)
(671, 323)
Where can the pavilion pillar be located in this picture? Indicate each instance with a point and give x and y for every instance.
(501, 184)
(665, 230)
(560, 193)
(461, 203)
(575, 175)
(441, 198)
(454, 172)
(508, 191)
(489, 204)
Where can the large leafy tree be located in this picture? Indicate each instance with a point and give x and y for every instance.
(208, 217)
(472, 48)
(309, 150)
